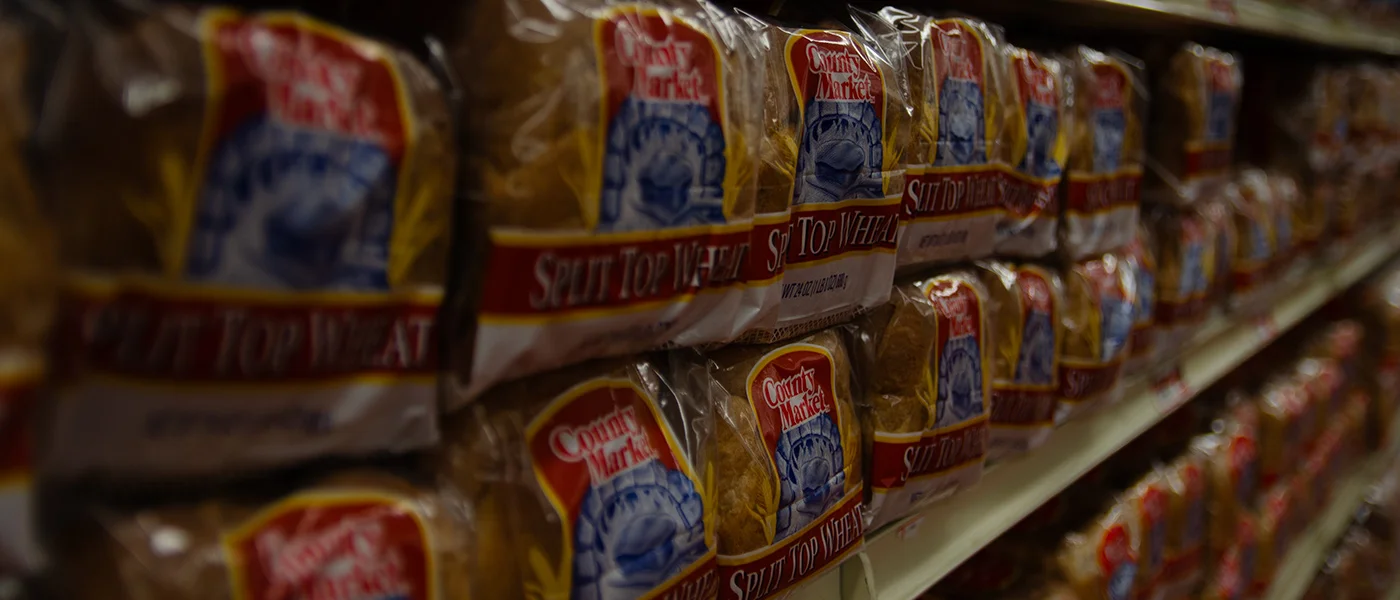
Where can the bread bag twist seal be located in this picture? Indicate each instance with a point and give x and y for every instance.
(1036, 142)
(1027, 328)
(1104, 184)
(594, 481)
(1099, 297)
(927, 376)
(828, 205)
(788, 462)
(256, 210)
(953, 185)
(612, 158)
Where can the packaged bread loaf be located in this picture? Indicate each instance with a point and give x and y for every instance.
(1287, 217)
(1098, 322)
(1104, 181)
(1185, 268)
(1255, 254)
(1025, 319)
(1141, 257)
(1232, 577)
(827, 213)
(788, 464)
(595, 481)
(1186, 525)
(1193, 136)
(1277, 523)
(256, 211)
(1232, 472)
(927, 373)
(959, 90)
(613, 166)
(1219, 219)
(1151, 499)
(1100, 561)
(1284, 415)
(1036, 144)
(356, 534)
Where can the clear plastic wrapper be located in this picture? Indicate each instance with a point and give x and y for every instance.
(1253, 273)
(1036, 141)
(1311, 145)
(355, 533)
(1185, 269)
(253, 211)
(927, 368)
(1284, 412)
(1219, 214)
(1233, 471)
(1098, 320)
(1100, 561)
(1141, 256)
(1027, 329)
(1232, 578)
(836, 118)
(595, 481)
(1194, 127)
(1279, 526)
(1103, 186)
(1288, 221)
(788, 463)
(1186, 479)
(961, 95)
(1151, 498)
(613, 162)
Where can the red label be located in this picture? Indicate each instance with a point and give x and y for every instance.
(1023, 196)
(894, 463)
(944, 193)
(821, 233)
(333, 549)
(1089, 194)
(958, 52)
(789, 388)
(1079, 383)
(832, 66)
(1111, 87)
(1153, 506)
(198, 336)
(797, 558)
(1036, 83)
(17, 399)
(657, 57)
(1023, 407)
(535, 279)
(1115, 552)
(1243, 457)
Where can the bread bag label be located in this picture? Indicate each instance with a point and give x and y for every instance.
(951, 207)
(1118, 562)
(1242, 466)
(1152, 507)
(333, 546)
(631, 507)
(909, 470)
(20, 377)
(1251, 268)
(1208, 153)
(1030, 196)
(1184, 557)
(1082, 382)
(663, 247)
(1183, 301)
(818, 523)
(1144, 274)
(280, 323)
(845, 217)
(1101, 203)
(1023, 405)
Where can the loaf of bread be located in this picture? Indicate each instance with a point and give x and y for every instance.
(1141, 256)
(927, 371)
(1151, 496)
(1026, 303)
(1186, 523)
(1100, 294)
(1233, 471)
(614, 167)
(831, 171)
(256, 209)
(788, 462)
(1194, 130)
(1288, 219)
(596, 481)
(1103, 185)
(1186, 247)
(1100, 560)
(1035, 143)
(1278, 527)
(354, 533)
(1284, 420)
(1253, 276)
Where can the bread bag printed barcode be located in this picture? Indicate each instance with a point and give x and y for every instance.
(927, 377)
(1186, 528)
(1025, 318)
(1253, 275)
(1035, 142)
(1151, 499)
(788, 461)
(1185, 269)
(1100, 561)
(595, 481)
(361, 534)
(1194, 134)
(1104, 183)
(1098, 320)
(1141, 257)
(614, 167)
(255, 217)
(831, 173)
(952, 198)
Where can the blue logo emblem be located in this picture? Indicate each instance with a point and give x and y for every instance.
(1110, 129)
(841, 155)
(1036, 364)
(959, 382)
(961, 124)
(664, 167)
(811, 467)
(1117, 324)
(1042, 125)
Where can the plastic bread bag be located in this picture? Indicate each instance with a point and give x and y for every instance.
(789, 463)
(1283, 411)
(1256, 254)
(837, 126)
(1141, 257)
(1186, 479)
(594, 481)
(1278, 526)
(1151, 498)
(1194, 130)
(356, 533)
(614, 169)
(1341, 341)
(1103, 185)
(1288, 219)
(1098, 322)
(959, 90)
(1185, 267)
(927, 369)
(1233, 575)
(1310, 143)
(1232, 457)
(1026, 302)
(1100, 560)
(253, 210)
(1036, 143)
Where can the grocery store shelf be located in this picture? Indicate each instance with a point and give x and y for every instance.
(905, 559)
(1301, 564)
